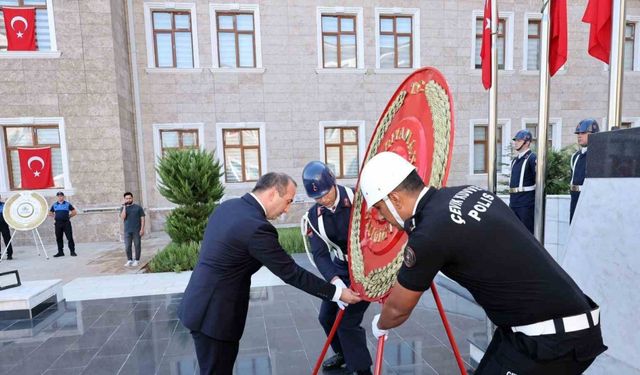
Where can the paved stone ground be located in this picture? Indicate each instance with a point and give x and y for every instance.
(141, 335)
(94, 259)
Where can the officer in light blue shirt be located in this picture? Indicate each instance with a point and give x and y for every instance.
(6, 234)
(63, 211)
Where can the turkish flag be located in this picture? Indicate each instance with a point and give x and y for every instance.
(558, 42)
(598, 15)
(485, 52)
(35, 167)
(20, 25)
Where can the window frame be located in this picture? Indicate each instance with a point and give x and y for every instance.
(236, 33)
(262, 149)
(636, 43)
(6, 179)
(361, 141)
(556, 135)
(53, 53)
(357, 13)
(152, 53)
(508, 17)
(503, 164)
(414, 13)
(214, 10)
(157, 139)
(525, 46)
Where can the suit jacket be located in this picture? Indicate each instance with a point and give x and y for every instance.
(336, 226)
(238, 241)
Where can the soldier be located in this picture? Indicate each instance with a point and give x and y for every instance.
(579, 160)
(327, 228)
(522, 184)
(546, 324)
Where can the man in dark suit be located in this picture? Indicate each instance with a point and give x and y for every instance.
(239, 240)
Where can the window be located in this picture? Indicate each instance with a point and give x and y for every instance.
(501, 42)
(341, 151)
(340, 40)
(532, 53)
(177, 139)
(241, 154)
(171, 33)
(45, 31)
(554, 133)
(172, 39)
(629, 46)
(235, 34)
(396, 42)
(32, 137)
(236, 40)
(481, 148)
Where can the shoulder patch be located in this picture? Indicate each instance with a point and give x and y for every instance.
(346, 202)
(409, 257)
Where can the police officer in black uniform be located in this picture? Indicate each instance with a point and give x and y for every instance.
(545, 323)
(327, 228)
(579, 160)
(522, 184)
(5, 232)
(63, 211)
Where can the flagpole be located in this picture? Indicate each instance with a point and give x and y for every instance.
(492, 174)
(543, 123)
(616, 63)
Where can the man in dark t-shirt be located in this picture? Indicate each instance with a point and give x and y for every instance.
(133, 217)
(545, 323)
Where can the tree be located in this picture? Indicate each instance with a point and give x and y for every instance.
(190, 179)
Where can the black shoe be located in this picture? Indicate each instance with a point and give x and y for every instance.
(73, 254)
(334, 362)
(58, 255)
(9, 257)
(364, 372)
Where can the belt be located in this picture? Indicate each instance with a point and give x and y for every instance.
(575, 187)
(522, 189)
(570, 324)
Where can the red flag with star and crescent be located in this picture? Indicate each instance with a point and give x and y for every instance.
(35, 167)
(20, 26)
(485, 52)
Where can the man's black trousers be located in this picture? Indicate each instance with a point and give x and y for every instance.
(215, 357)
(558, 354)
(64, 227)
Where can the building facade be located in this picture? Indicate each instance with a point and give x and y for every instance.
(269, 85)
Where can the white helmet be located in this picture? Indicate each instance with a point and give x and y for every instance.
(382, 174)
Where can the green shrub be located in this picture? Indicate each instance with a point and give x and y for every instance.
(186, 223)
(291, 240)
(176, 258)
(559, 171)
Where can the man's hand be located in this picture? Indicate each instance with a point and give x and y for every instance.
(349, 296)
(339, 283)
(141, 232)
(377, 332)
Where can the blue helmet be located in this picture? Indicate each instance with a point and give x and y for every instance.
(317, 179)
(523, 135)
(588, 125)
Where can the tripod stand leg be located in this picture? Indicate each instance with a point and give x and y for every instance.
(41, 244)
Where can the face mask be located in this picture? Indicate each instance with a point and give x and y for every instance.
(393, 211)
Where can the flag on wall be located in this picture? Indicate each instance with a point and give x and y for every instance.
(558, 42)
(20, 26)
(485, 52)
(598, 15)
(35, 167)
